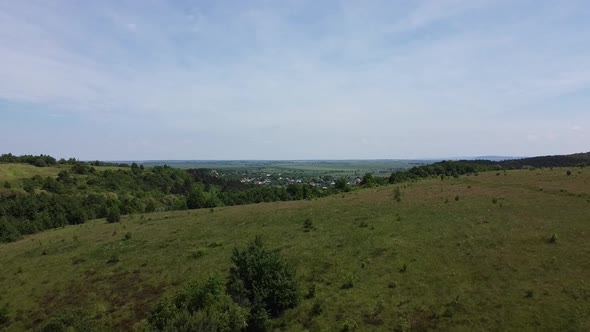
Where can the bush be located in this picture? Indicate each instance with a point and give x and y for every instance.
(261, 279)
(310, 292)
(70, 320)
(127, 236)
(114, 215)
(349, 326)
(316, 309)
(4, 318)
(404, 268)
(397, 195)
(197, 253)
(8, 231)
(348, 282)
(568, 172)
(114, 259)
(308, 225)
(201, 306)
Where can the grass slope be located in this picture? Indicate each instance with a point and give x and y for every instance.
(13, 172)
(470, 264)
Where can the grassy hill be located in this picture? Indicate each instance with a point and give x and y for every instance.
(13, 172)
(472, 253)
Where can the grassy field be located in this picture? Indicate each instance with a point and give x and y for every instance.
(467, 254)
(13, 172)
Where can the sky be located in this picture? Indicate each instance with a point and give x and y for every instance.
(146, 79)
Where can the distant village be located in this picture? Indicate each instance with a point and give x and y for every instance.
(322, 182)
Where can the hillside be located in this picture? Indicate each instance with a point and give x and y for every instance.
(14, 172)
(467, 253)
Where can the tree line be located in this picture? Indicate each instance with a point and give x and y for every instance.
(84, 192)
(44, 160)
(462, 167)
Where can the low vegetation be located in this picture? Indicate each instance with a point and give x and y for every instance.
(359, 260)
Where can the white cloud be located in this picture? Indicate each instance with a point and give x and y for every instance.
(388, 71)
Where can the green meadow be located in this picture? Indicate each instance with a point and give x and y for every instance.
(13, 172)
(499, 251)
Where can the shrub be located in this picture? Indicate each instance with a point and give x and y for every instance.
(70, 320)
(397, 195)
(310, 292)
(8, 231)
(261, 279)
(4, 318)
(113, 259)
(114, 215)
(308, 225)
(348, 282)
(316, 309)
(568, 172)
(349, 326)
(215, 244)
(494, 200)
(7, 185)
(457, 198)
(553, 238)
(127, 236)
(404, 268)
(201, 306)
(198, 253)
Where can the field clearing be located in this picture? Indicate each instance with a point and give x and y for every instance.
(15, 172)
(476, 252)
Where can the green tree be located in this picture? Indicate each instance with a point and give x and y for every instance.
(368, 180)
(263, 281)
(341, 184)
(8, 231)
(114, 215)
(135, 168)
(196, 199)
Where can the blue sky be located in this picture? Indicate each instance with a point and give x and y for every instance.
(294, 79)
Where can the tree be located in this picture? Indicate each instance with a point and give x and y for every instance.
(8, 231)
(39, 162)
(263, 281)
(196, 199)
(114, 215)
(135, 168)
(341, 184)
(75, 215)
(368, 180)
